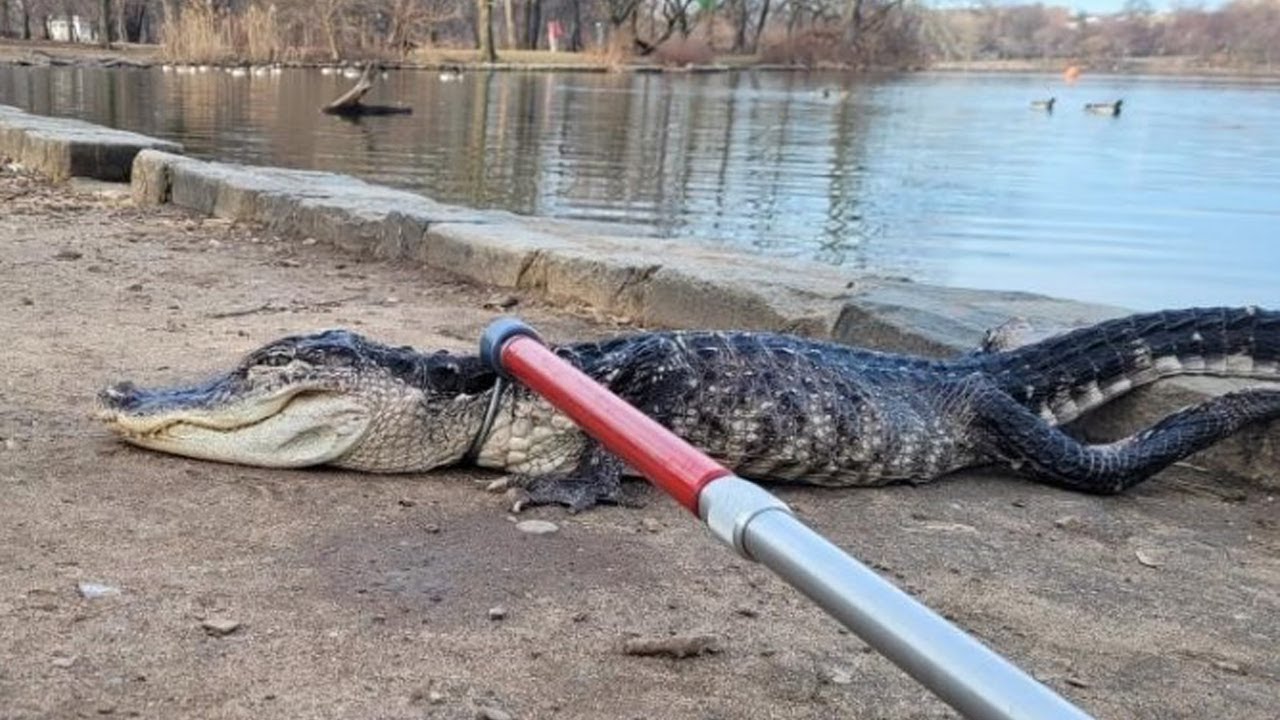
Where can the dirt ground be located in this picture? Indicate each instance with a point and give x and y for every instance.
(359, 596)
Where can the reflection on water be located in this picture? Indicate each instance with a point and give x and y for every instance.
(943, 179)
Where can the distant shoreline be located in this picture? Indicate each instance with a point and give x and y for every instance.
(1185, 68)
(41, 53)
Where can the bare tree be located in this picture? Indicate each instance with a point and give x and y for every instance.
(484, 22)
(104, 23)
(1252, 27)
(509, 13)
(24, 19)
(764, 17)
(620, 12)
(575, 35)
(532, 23)
(409, 21)
(329, 16)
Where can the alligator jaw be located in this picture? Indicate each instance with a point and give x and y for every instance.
(286, 430)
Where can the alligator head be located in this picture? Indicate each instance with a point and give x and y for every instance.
(329, 398)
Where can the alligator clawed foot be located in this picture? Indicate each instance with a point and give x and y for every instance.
(575, 491)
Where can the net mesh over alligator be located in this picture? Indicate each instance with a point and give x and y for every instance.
(772, 407)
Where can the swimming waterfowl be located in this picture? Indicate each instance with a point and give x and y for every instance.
(1046, 105)
(1104, 108)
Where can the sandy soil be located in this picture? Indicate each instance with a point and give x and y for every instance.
(360, 596)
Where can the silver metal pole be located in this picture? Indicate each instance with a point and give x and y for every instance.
(963, 672)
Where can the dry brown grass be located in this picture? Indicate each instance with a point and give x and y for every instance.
(198, 35)
(465, 56)
(811, 47)
(261, 33)
(256, 35)
(615, 54)
(682, 52)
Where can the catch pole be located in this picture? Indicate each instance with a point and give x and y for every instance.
(961, 671)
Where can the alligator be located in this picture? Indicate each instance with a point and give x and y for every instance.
(771, 407)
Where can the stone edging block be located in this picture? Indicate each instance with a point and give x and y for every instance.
(62, 148)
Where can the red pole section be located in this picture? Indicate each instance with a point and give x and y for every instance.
(652, 450)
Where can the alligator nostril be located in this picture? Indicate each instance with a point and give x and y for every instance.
(119, 394)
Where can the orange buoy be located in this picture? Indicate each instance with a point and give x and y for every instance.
(1071, 73)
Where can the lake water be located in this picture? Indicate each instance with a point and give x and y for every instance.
(947, 179)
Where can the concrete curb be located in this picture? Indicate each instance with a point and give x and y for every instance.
(62, 148)
(663, 283)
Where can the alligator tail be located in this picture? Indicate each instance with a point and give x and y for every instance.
(1035, 447)
(1065, 376)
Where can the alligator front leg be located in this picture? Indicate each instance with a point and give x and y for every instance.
(597, 478)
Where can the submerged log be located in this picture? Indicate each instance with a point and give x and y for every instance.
(349, 103)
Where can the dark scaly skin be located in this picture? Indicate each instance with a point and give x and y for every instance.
(782, 408)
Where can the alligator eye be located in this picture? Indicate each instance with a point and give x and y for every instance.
(275, 360)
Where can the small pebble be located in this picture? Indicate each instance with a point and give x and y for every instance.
(94, 591)
(501, 302)
(309, 241)
(62, 662)
(497, 612)
(219, 627)
(431, 528)
(839, 676)
(68, 255)
(435, 698)
(1068, 522)
(537, 527)
(1146, 559)
(499, 485)
(492, 713)
(651, 525)
(405, 502)
(1231, 667)
(678, 647)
